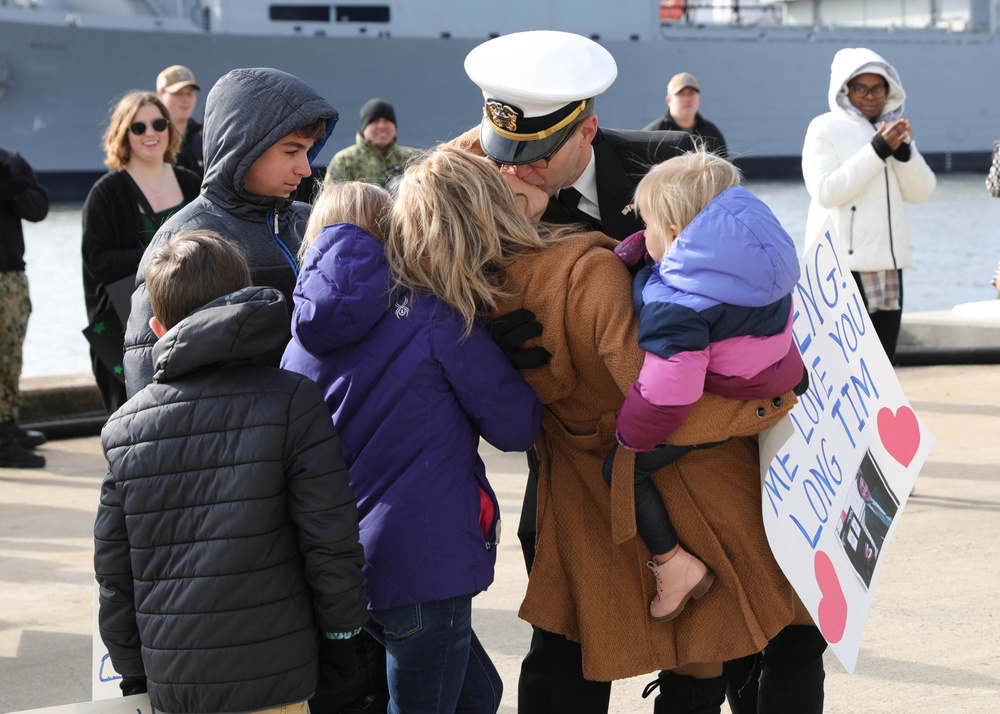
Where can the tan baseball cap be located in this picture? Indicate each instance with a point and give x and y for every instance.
(684, 80)
(175, 78)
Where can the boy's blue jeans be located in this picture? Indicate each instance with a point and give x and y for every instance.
(434, 661)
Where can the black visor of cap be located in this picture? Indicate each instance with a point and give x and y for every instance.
(512, 151)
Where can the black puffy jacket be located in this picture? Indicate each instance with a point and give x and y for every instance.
(227, 533)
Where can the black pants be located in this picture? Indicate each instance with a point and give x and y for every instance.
(551, 680)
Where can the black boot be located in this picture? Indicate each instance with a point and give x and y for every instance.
(29, 438)
(12, 454)
(791, 681)
(687, 695)
(743, 678)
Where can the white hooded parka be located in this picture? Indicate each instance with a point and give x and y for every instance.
(848, 182)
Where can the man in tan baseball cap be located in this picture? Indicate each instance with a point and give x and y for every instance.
(176, 87)
(683, 99)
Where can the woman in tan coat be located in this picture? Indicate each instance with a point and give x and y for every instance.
(583, 585)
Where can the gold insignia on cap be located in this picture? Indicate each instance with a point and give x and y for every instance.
(503, 116)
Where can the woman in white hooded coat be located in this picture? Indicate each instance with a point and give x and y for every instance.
(860, 166)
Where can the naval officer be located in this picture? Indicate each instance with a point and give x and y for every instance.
(539, 122)
(539, 91)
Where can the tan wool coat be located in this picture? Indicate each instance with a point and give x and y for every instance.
(583, 585)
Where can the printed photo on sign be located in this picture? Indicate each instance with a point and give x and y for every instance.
(865, 519)
(837, 470)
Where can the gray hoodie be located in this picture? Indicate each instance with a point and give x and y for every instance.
(246, 112)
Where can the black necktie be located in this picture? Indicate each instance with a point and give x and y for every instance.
(570, 198)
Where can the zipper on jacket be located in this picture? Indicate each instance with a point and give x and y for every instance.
(888, 210)
(850, 243)
(272, 220)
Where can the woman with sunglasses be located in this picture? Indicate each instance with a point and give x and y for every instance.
(860, 166)
(122, 212)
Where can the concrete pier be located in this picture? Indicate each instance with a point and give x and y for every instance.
(932, 643)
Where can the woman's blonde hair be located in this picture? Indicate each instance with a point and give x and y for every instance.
(455, 228)
(116, 148)
(675, 191)
(363, 204)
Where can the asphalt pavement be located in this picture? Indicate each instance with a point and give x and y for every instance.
(932, 642)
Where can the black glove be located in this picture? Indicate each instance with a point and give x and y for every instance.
(881, 147)
(133, 684)
(511, 331)
(903, 153)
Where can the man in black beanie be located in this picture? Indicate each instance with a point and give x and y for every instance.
(375, 156)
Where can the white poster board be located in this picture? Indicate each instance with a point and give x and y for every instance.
(838, 469)
(105, 680)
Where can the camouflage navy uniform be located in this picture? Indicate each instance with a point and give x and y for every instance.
(14, 310)
(364, 162)
(21, 197)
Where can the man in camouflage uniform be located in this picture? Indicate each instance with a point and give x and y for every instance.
(21, 197)
(375, 156)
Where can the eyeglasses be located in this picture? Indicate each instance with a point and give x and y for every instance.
(139, 127)
(542, 162)
(861, 90)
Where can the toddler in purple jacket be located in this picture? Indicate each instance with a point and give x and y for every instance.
(715, 314)
(412, 384)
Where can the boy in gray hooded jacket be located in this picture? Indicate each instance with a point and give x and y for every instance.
(263, 128)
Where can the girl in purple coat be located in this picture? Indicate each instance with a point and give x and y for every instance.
(715, 314)
(412, 381)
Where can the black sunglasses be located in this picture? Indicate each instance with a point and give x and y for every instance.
(139, 127)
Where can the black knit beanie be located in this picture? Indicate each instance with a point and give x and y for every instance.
(376, 109)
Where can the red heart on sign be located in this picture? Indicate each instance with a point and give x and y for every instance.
(832, 604)
(900, 433)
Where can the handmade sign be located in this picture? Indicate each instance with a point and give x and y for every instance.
(837, 471)
(105, 681)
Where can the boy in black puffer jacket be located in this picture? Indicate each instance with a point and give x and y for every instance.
(227, 534)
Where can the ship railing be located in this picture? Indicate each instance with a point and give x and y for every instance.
(193, 10)
(944, 15)
(674, 12)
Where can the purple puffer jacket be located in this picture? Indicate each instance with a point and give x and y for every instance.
(410, 400)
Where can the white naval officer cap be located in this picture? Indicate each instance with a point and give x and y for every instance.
(535, 85)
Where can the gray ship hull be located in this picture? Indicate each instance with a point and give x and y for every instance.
(762, 87)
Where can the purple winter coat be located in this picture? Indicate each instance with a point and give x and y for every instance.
(410, 400)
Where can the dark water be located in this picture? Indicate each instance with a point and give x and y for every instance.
(956, 246)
